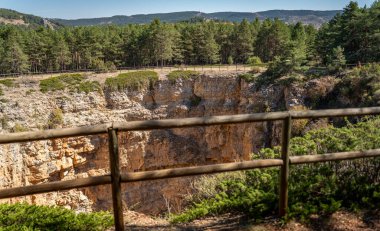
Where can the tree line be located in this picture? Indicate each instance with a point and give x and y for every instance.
(352, 36)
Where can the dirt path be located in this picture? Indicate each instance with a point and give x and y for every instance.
(339, 221)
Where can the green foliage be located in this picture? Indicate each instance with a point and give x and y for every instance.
(132, 81)
(88, 86)
(230, 60)
(288, 62)
(359, 88)
(4, 122)
(55, 119)
(250, 196)
(197, 42)
(337, 60)
(60, 82)
(33, 217)
(30, 91)
(102, 67)
(254, 61)
(242, 42)
(73, 82)
(248, 77)
(174, 75)
(19, 128)
(355, 30)
(318, 188)
(7, 82)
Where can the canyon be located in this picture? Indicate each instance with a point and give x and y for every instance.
(209, 94)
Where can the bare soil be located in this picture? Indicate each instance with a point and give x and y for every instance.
(339, 221)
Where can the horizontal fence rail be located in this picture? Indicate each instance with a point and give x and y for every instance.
(116, 177)
(180, 123)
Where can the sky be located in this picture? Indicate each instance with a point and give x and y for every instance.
(73, 9)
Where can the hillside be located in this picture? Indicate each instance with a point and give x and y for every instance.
(316, 18)
(16, 18)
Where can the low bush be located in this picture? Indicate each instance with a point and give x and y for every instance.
(55, 119)
(4, 122)
(72, 82)
(88, 86)
(318, 188)
(254, 60)
(132, 81)
(174, 75)
(19, 128)
(248, 77)
(359, 88)
(33, 217)
(7, 82)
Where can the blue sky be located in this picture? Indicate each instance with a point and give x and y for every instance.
(70, 9)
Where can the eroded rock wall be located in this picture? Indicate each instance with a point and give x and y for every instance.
(78, 157)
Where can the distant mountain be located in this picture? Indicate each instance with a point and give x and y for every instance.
(16, 18)
(316, 18)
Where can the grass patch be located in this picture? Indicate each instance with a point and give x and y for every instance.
(174, 75)
(319, 188)
(33, 217)
(72, 82)
(132, 81)
(7, 82)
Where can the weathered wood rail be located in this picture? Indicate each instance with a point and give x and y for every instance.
(116, 177)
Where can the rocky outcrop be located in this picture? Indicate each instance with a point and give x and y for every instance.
(78, 157)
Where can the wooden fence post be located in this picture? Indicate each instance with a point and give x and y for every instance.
(116, 179)
(284, 176)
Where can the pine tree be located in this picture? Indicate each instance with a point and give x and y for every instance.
(271, 40)
(242, 42)
(14, 60)
(61, 53)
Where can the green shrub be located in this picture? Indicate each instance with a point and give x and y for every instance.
(19, 128)
(4, 122)
(174, 75)
(60, 82)
(289, 80)
(72, 82)
(55, 119)
(248, 77)
(359, 88)
(102, 67)
(318, 188)
(88, 86)
(132, 81)
(254, 60)
(230, 60)
(33, 217)
(7, 82)
(29, 92)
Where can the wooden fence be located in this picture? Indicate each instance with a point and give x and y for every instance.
(116, 177)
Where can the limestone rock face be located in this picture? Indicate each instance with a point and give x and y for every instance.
(78, 157)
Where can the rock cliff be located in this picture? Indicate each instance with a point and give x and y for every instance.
(63, 159)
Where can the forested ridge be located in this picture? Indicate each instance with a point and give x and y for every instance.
(350, 37)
